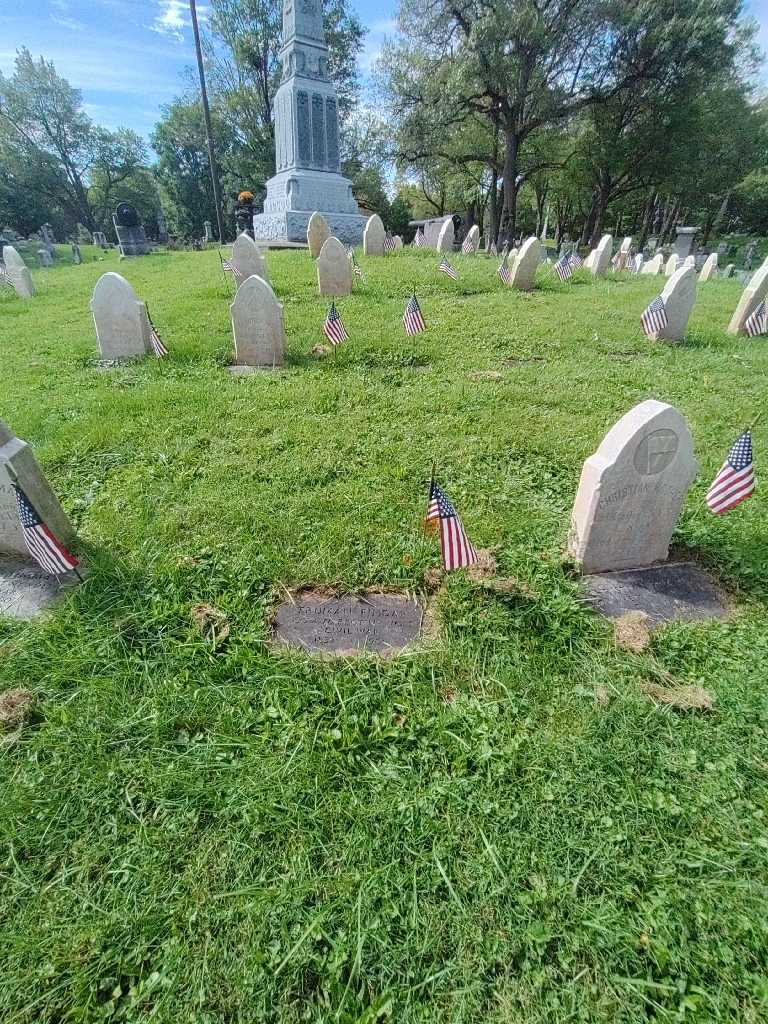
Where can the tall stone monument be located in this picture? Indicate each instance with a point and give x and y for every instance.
(307, 139)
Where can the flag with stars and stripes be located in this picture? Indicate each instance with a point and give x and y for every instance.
(564, 267)
(42, 543)
(229, 267)
(154, 339)
(757, 323)
(334, 328)
(389, 243)
(413, 320)
(357, 270)
(655, 316)
(503, 270)
(419, 240)
(446, 268)
(576, 260)
(736, 480)
(494, 249)
(468, 245)
(4, 279)
(457, 551)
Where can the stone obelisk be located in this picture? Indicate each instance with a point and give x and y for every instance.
(306, 139)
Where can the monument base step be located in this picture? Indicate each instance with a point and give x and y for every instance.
(291, 226)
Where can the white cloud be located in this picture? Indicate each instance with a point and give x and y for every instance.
(378, 33)
(174, 18)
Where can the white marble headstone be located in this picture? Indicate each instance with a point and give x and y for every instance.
(709, 270)
(334, 270)
(257, 325)
(751, 297)
(318, 230)
(672, 264)
(373, 236)
(122, 326)
(524, 268)
(18, 273)
(446, 237)
(248, 258)
(679, 295)
(19, 456)
(632, 490)
(473, 237)
(654, 266)
(601, 256)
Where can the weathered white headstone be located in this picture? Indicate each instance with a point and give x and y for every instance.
(751, 297)
(672, 264)
(248, 258)
(690, 261)
(19, 456)
(122, 325)
(398, 242)
(679, 295)
(654, 266)
(626, 244)
(317, 232)
(18, 273)
(473, 238)
(257, 325)
(639, 260)
(631, 491)
(600, 257)
(44, 255)
(373, 236)
(446, 237)
(524, 268)
(709, 270)
(334, 270)
(729, 270)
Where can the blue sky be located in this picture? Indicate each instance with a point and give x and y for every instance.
(128, 56)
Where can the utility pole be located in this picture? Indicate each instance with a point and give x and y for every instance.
(208, 131)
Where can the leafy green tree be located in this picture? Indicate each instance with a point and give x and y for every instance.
(53, 148)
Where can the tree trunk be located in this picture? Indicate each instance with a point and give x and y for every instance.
(645, 230)
(509, 207)
(589, 223)
(493, 207)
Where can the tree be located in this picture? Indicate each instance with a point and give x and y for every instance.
(54, 148)
(522, 66)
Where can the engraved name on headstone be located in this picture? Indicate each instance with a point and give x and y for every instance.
(349, 624)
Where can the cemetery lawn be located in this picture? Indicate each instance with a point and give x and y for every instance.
(503, 827)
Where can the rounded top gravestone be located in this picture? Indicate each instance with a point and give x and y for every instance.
(334, 271)
(317, 232)
(122, 326)
(373, 236)
(709, 270)
(126, 215)
(678, 296)
(526, 263)
(631, 491)
(447, 236)
(248, 258)
(257, 325)
(755, 292)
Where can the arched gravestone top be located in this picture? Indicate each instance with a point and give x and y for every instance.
(447, 236)
(631, 491)
(248, 258)
(334, 270)
(526, 263)
(126, 215)
(122, 326)
(12, 258)
(626, 245)
(751, 297)
(373, 236)
(317, 232)
(672, 264)
(601, 256)
(709, 270)
(473, 237)
(257, 325)
(679, 295)
(18, 273)
(654, 266)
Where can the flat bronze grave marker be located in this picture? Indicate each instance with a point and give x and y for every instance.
(673, 592)
(349, 624)
(26, 592)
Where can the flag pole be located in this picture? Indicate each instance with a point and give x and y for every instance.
(429, 499)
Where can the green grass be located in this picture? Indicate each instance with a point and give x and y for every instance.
(202, 835)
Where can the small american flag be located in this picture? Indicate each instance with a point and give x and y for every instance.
(564, 267)
(229, 267)
(468, 245)
(413, 321)
(419, 239)
(357, 270)
(446, 268)
(576, 260)
(457, 551)
(42, 543)
(655, 316)
(4, 279)
(736, 480)
(155, 340)
(494, 249)
(503, 270)
(389, 243)
(757, 324)
(334, 328)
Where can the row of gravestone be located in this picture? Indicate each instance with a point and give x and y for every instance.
(627, 506)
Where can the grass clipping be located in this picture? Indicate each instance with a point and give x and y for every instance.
(682, 698)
